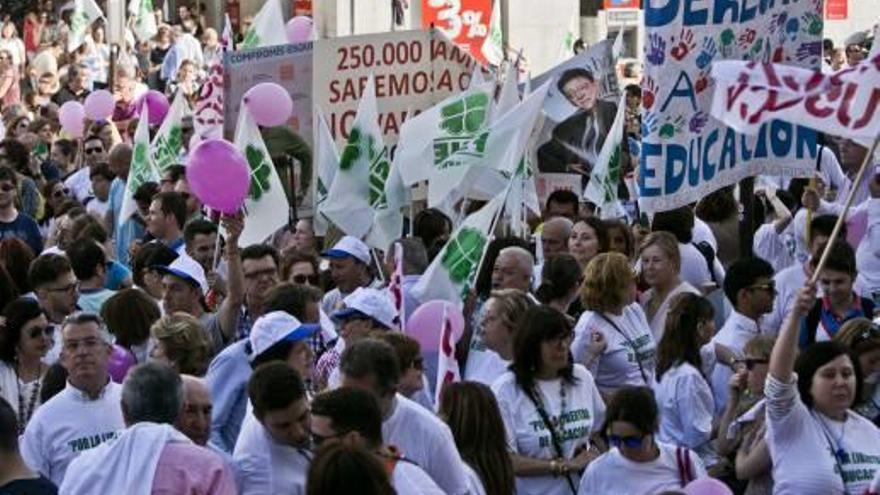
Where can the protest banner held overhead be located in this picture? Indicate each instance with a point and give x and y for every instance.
(686, 154)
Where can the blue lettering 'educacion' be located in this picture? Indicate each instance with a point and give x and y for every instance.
(660, 16)
(694, 16)
(780, 137)
(805, 141)
(675, 154)
(747, 13)
(728, 150)
(648, 150)
(721, 8)
(694, 165)
(687, 91)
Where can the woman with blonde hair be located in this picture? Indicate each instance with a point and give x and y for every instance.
(661, 265)
(613, 338)
(180, 341)
(503, 311)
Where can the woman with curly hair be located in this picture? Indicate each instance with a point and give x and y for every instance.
(180, 341)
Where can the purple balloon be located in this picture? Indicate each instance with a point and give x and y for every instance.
(425, 324)
(156, 103)
(269, 104)
(299, 29)
(121, 360)
(72, 116)
(99, 105)
(707, 486)
(219, 175)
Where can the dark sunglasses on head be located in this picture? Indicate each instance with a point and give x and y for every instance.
(630, 442)
(94, 150)
(35, 332)
(303, 279)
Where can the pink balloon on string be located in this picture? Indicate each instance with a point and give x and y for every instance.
(219, 175)
(156, 103)
(707, 486)
(269, 104)
(72, 116)
(99, 105)
(425, 324)
(299, 29)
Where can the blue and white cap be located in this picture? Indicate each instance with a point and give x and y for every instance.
(275, 327)
(188, 269)
(349, 246)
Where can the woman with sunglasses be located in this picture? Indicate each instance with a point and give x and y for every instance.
(25, 338)
(55, 193)
(613, 339)
(818, 444)
(683, 394)
(300, 267)
(636, 462)
(550, 406)
(862, 337)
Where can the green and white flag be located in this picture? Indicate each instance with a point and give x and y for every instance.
(566, 48)
(493, 46)
(168, 141)
(605, 177)
(431, 136)
(142, 169)
(482, 168)
(267, 28)
(266, 207)
(453, 272)
(388, 219)
(326, 163)
(358, 189)
(508, 98)
(85, 12)
(143, 21)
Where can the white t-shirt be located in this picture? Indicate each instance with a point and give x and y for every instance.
(67, 425)
(426, 440)
(483, 364)
(703, 233)
(619, 364)
(777, 248)
(868, 252)
(267, 467)
(695, 268)
(97, 208)
(658, 322)
(80, 184)
(788, 282)
(736, 332)
(475, 484)
(409, 479)
(527, 434)
(687, 408)
(802, 445)
(612, 473)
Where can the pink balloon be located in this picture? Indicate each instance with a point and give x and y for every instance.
(99, 105)
(707, 486)
(72, 116)
(299, 29)
(425, 324)
(156, 103)
(219, 175)
(269, 104)
(121, 360)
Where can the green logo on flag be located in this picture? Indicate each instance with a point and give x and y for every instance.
(261, 171)
(140, 167)
(79, 21)
(167, 148)
(609, 185)
(379, 169)
(466, 115)
(251, 39)
(462, 254)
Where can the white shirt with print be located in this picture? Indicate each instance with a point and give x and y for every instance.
(69, 424)
(619, 364)
(612, 473)
(527, 434)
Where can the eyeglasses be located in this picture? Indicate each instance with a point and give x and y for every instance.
(7, 187)
(768, 287)
(87, 343)
(35, 332)
(71, 287)
(630, 441)
(94, 150)
(751, 363)
(305, 279)
(319, 439)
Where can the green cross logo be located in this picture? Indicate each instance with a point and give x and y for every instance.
(261, 171)
(465, 115)
(379, 169)
(609, 184)
(140, 167)
(78, 22)
(168, 148)
(462, 254)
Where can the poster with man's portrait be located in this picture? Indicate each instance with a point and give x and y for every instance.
(580, 109)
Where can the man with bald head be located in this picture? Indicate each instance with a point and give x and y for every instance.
(554, 236)
(132, 228)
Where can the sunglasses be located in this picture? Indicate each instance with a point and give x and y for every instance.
(35, 332)
(305, 279)
(7, 187)
(61, 192)
(94, 150)
(751, 363)
(630, 442)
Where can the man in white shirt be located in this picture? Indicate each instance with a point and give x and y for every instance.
(83, 415)
(80, 182)
(349, 268)
(372, 365)
(272, 449)
(352, 416)
(750, 289)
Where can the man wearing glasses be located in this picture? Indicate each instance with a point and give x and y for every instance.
(83, 415)
(57, 291)
(13, 223)
(80, 182)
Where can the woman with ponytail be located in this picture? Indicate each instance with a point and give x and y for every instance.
(561, 280)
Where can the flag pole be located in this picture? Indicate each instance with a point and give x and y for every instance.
(378, 265)
(869, 157)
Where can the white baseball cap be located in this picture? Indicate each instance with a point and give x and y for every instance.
(349, 246)
(275, 327)
(186, 268)
(373, 303)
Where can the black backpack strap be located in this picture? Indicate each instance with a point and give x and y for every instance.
(709, 254)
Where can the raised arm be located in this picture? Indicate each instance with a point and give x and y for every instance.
(785, 349)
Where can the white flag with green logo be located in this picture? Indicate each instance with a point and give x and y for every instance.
(141, 170)
(168, 141)
(431, 136)
(566, 48)
(326, 163)
(605, 177)
(453, 272)
(143, 21)
(388, 219)
(358, 188)
(85, 12)
(493, 46)
(267, 29)
(482, 168)
(266, 207)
